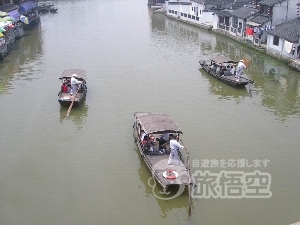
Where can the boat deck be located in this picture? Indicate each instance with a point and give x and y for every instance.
(231, 77)
(159, 164)
(68, 97)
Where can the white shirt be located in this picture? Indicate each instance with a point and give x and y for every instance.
(174, 145)
(74, 81)
(241, 65)
(232, 70)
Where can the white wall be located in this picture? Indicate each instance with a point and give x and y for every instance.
(292, 9)
(207, 17)
(279, 13)
(215, 21)
(272, 47)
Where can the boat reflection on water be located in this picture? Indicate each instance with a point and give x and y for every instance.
(172, 199)
(77, 115)
(224, 91)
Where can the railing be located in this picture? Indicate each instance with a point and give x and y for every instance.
(223, 26)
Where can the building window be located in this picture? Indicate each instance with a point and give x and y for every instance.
(193, 17)
(192, 9)
(181, 14)
(275, 40)
(189, 16)
(185, 15)
(197, 18)
(169, 10)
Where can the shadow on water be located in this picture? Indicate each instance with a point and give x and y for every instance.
(173, 199)
(23, 59)
(222, 90)
(77, 115)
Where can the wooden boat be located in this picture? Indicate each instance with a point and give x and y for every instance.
(53, 9)
(64, 98)
(228, 78)
(46, 7)
(157, 125)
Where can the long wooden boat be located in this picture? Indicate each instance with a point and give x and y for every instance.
(64, 98)
(159, 125)
(228, 78)
(46, 7)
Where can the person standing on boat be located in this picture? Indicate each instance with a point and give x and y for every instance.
(240, 68)
(74, 84)
(174, 146)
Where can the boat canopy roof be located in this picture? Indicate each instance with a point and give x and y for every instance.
(156, 123)
(68, 74)
(222, 59)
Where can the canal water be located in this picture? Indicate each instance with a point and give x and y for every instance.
(85, 169)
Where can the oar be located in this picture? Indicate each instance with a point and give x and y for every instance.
(73, 99)
(188, 167)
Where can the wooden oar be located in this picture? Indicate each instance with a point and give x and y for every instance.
(189, 171)
(73, 99)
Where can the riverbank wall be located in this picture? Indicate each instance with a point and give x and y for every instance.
(292, 63)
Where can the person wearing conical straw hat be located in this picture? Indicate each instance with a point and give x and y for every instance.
(74, 84)
(239, 69)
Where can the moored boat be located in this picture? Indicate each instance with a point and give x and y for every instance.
(159, 126)
(64, 97)
(227, 76)
(46, 7)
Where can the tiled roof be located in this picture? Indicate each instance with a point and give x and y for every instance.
(199, 1)
(237, 4)
(289, 31)
(8, 7)
(240, 3)
(214, 2)
(223, 13)
(260, 19)
(271, 2)
(244, 12)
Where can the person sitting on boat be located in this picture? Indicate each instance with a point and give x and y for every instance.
(174, 146)
(218, 70)
(223, 70)
(232, 71)
(228, 68)
(240, 68)
(213, 67)
(74, 84)
(64, 88)
(163, 139)
(151, 143)
(145, 143)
